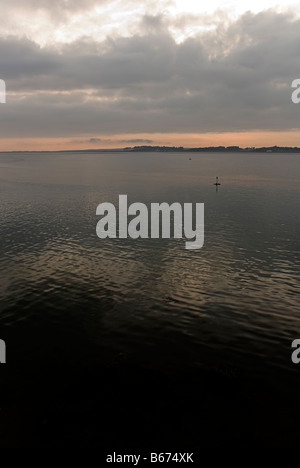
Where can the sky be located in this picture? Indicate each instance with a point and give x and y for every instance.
(109, 73)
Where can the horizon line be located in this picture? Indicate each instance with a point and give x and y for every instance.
(128, 149)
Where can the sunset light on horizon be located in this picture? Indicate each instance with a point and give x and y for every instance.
(108, 74)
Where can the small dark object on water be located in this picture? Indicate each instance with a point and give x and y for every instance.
(217, 181)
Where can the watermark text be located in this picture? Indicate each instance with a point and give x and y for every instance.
(2, 352)
(296, 94)
(2, 92)
(155, 224)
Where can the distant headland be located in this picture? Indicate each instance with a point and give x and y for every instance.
(230, 149)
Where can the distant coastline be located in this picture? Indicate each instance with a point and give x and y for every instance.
(175, 149)
(229, 149)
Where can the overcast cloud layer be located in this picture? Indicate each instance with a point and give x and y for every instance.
(235, 76)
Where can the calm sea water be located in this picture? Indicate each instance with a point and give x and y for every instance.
(224, 315)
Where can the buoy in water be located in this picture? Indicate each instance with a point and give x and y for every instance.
(217, 181)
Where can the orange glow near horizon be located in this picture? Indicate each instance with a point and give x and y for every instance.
(242, 139)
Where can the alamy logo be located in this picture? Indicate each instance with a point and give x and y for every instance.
(138, 226)
(295, 354)
(2, 352)
(295, 94)
(2, 92)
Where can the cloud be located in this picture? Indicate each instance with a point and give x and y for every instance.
(236, 77)
(67, 20)
(136, 140)
(56, 10)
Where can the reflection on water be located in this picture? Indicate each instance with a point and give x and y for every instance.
(232, 304)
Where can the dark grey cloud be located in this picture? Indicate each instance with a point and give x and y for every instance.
(137, 140)
(235, 78)
(154, 22)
